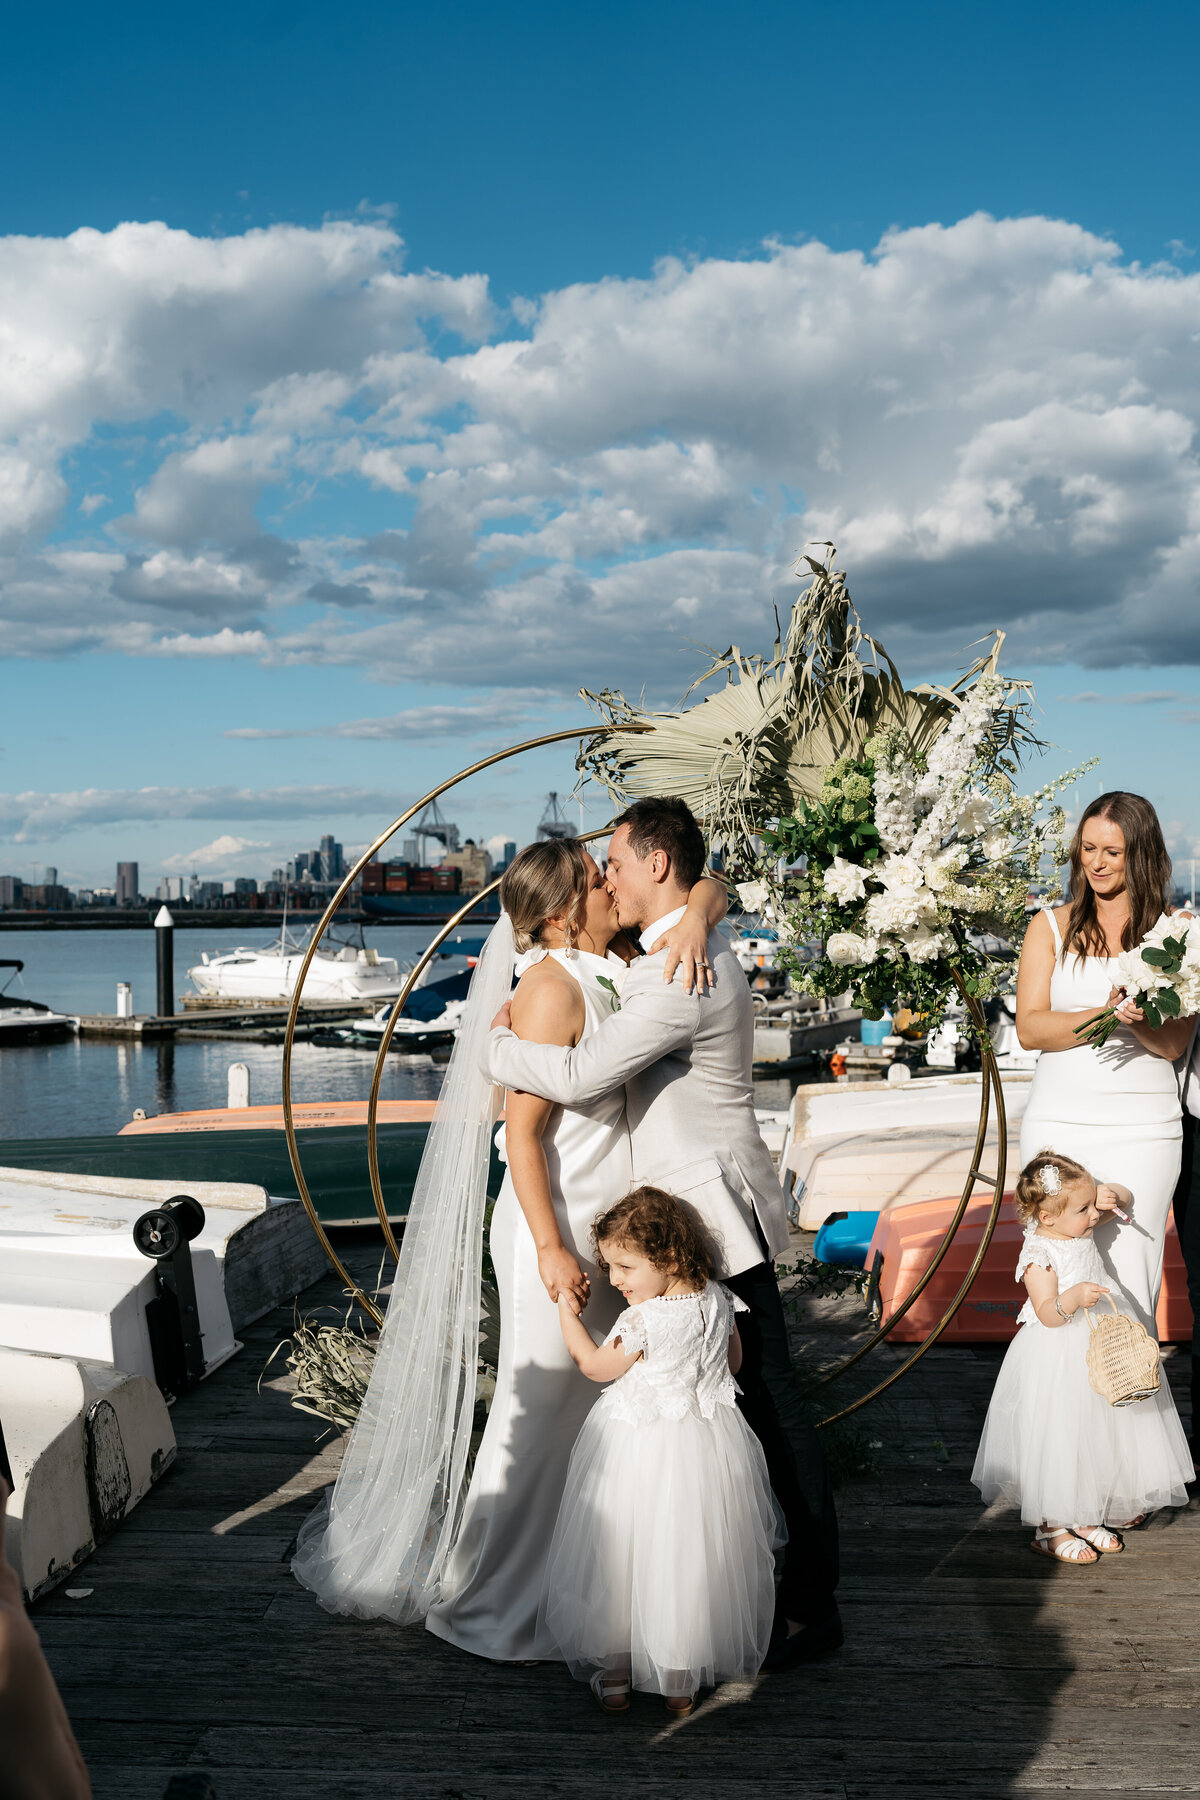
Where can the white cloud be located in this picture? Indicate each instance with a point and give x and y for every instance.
(34, 817)
(419, 723)
(994, 420)
(220, 855)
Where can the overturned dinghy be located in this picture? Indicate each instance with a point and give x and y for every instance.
(85, 1443)
(114, 1296)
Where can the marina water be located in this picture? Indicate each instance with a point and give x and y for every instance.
(80, 1086)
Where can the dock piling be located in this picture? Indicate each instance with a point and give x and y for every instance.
(164, 943)
(239, 1085)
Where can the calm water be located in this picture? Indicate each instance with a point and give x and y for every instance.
(86, 1085)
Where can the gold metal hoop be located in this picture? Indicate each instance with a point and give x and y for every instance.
(289, 1125)
(990, 1083)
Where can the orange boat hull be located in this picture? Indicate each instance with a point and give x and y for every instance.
(908, 1237)
(270, 1118)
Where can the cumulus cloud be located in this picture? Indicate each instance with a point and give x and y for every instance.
(32, 817)
(419, 723)
(220, 854)
(994, 420)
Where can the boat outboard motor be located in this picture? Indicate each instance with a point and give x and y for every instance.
(173, 1317)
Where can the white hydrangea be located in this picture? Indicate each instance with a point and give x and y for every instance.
(849, 949)
(844, 881)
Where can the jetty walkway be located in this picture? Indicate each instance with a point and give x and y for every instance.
(971, 1666)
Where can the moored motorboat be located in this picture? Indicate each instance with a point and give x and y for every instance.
(24, 1021)
(339, 970)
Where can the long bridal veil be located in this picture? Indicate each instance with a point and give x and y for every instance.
(376, 1548)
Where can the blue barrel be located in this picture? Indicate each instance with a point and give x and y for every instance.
(875, 1030)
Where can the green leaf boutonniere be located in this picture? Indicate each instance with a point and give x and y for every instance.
(614, 999)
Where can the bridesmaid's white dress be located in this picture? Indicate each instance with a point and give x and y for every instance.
(494, 1576)
(1117, 1111)
(1051, 1445)
(663, 1561)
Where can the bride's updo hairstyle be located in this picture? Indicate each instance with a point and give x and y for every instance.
(1147, 875)
(1043, 1183)
(662, 1229)
(545, 881)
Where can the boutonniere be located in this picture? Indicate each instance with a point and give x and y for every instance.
(614, 999)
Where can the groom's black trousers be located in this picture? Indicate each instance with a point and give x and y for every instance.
(772, 1407)
(1187, 1224)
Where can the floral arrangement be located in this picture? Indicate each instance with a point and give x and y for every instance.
(877, 828)
(1162, 976)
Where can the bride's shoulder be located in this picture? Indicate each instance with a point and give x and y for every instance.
(545, 995)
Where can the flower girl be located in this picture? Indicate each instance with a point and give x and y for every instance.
(1050, 1443)
(661, 1569)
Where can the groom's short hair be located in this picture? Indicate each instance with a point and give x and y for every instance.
(666, 823)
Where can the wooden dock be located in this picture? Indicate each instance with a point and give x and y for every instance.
(253, 1023)
(971, 1666)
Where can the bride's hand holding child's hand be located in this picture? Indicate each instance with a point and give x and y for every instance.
(561, 1274)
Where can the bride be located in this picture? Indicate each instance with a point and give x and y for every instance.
(396, 1539)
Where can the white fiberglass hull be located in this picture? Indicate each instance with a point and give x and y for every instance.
(267, 976)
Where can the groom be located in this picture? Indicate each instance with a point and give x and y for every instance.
(685, 1062)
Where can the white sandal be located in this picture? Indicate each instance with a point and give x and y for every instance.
(1100, 1538)
(611, 1692)
(1069, 1549)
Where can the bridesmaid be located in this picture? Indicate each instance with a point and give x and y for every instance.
(1116, 1110)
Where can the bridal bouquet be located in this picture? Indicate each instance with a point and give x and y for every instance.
(877, 828)
(1162, 976)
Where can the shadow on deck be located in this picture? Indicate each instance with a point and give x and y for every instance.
(969, 1663)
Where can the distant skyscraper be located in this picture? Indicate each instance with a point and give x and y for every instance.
(411, 853)
(127, 884)
(332, 866)
(51, 877)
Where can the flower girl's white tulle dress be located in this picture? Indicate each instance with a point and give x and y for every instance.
(1051, 1444)
(662, 1562)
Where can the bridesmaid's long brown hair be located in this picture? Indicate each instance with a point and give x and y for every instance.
(1147, 875)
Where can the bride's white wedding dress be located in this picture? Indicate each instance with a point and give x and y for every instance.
(494, 1575)
(1117, 1111)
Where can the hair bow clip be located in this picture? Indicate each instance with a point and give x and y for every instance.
(1050, 1179)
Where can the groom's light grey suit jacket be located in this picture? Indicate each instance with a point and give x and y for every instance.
(685, 1063)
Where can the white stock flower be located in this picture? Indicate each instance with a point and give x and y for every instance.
(844, 880)
(849, 949)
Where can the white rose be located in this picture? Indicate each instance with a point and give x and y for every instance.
(942, 869)
(846, 947)
(844, 880)
(998, 846)
(753, 895)
(900, 872)
(974, 814)
(923, 945)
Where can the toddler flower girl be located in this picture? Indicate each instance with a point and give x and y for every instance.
(661, 1569)
(1051, 1444)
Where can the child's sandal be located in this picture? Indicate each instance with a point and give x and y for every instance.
(611, 1692)
(1100, 1538)
(1069, 1548)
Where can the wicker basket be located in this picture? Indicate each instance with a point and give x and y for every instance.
(1122, 1358)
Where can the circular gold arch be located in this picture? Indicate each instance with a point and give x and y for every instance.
(990, 1088)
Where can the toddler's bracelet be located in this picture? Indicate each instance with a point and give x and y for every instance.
(1058, 1309)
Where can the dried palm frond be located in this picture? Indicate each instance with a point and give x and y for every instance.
(751, 752)
(332, 1367)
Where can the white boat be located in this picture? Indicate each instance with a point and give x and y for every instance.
(27, 1021)
(268, 973)
(866, 1146)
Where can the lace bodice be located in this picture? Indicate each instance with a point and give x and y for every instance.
(684, 1341)
(1071, 1259)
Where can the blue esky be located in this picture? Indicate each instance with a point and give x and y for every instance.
(487, 352)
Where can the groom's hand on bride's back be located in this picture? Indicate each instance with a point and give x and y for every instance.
(503, 1019)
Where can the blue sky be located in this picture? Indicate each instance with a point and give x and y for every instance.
(401, 428)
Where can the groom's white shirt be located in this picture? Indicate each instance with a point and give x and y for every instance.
(685, 1062)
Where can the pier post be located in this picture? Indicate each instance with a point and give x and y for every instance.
(164, 942)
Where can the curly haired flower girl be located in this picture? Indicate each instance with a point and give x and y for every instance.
(1050, 1443)
(661, 1573)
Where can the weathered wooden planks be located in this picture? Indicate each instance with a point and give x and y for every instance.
(970, 1663)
